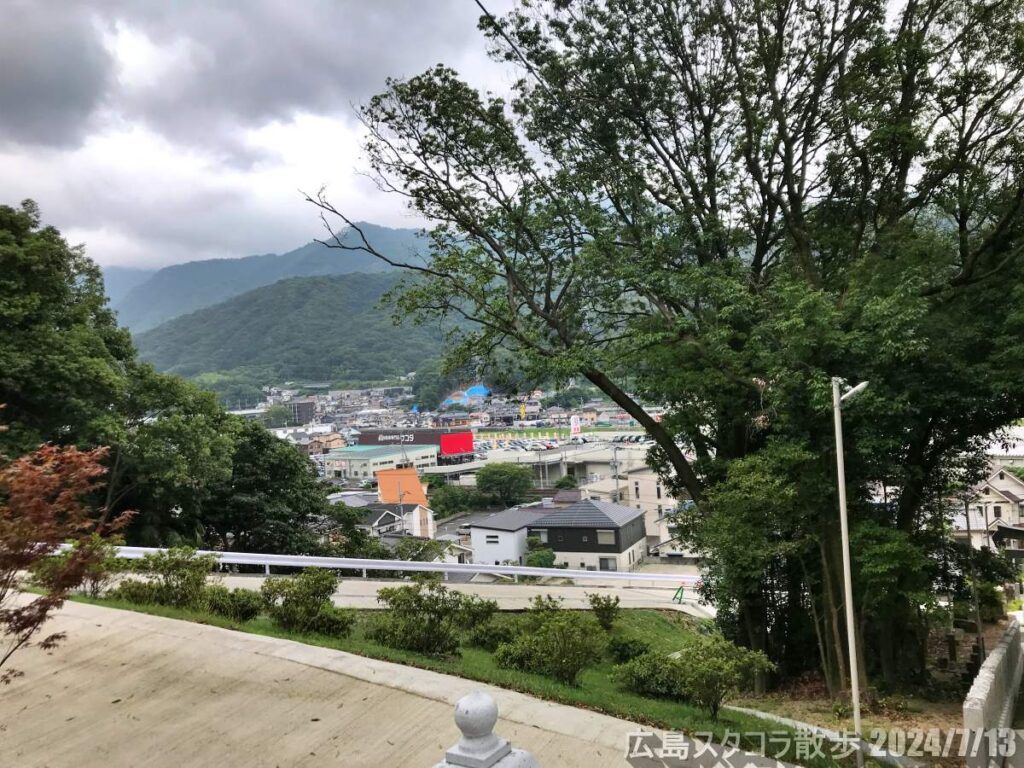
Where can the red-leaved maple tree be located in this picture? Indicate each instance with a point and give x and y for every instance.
(44, 504)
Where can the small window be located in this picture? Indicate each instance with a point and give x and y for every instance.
(1002, 476)
(492, 539)
(560, 537)
(542, 534)
(583, 565)
(584, 539)
(657, 491)
(606, 537)
(997, 510)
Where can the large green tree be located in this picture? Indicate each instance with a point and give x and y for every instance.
(268, 501)
(64, 362)
(507, 482)
(190, 472)
(720, 206)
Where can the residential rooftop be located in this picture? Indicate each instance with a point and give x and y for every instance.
(511, 519)
(588, 513)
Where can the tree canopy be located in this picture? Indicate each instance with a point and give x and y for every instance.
(507, 482)
(189, 472)
(720, 206)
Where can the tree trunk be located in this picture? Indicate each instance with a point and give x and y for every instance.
(655, 429)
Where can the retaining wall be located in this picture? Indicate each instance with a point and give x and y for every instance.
(990, 702)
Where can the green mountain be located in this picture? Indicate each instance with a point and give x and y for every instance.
(118, 281)
(184, 288)
(302, 329)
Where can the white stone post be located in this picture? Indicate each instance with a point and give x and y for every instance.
(479, 747)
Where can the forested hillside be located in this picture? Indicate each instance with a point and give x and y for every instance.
(183, 288)
(306, 328)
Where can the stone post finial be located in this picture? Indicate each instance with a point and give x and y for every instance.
(476, 715)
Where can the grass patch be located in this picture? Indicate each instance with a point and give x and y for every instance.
(596, 691)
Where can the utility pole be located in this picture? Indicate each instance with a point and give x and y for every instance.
(851, 632)
(615, 469)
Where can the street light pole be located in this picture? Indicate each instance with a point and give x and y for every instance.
(851, 634)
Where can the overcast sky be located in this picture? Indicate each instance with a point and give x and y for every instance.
(159, 132)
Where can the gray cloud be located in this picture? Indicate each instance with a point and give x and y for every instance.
(262, 60)
(55, 73)
(160, 131)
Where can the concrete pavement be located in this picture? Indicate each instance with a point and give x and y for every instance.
(362, 593)
(127, 689)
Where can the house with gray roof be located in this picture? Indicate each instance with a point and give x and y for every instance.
(501, 538)
(593, 535)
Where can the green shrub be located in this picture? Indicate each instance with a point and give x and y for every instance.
(102, 564)
(518, 653)
(426, 617)
(138, 592)
(294, 603)
(565, 644)
(238, 604)
(334, 622)
(540, 558)
(714, 668)
(652, 674)
(490, 634)
(181, 575)
(475, 610)
(623, 649)
(606, 609)
(540, 609)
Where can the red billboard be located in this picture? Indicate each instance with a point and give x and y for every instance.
(456, 442)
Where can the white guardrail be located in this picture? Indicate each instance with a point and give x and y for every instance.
(359, 564)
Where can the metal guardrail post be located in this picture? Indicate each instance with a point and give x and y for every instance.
(479, 747)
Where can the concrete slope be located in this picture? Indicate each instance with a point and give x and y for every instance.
(128, 689)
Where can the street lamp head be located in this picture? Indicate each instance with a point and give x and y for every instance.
(854, 391)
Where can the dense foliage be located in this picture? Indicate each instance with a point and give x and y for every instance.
(720, 207)
(192, 474)
(175, 577)
(427, 617)
(508, 483)
(447, 500)
(303, 328)
(303, 603)
(563, 645)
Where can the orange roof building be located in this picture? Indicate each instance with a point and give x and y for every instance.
(400, 486)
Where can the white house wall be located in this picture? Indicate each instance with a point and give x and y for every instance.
(511, 546)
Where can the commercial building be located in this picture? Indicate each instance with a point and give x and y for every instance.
(303, 409)
(455, 446)
(362, 462)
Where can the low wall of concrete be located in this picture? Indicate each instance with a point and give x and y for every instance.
(990, 701)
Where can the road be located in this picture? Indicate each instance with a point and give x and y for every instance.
(362, 593)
